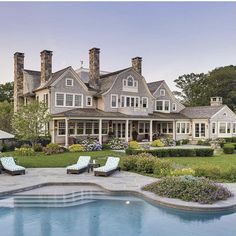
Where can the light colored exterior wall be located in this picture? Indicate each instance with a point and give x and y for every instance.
(117, 88)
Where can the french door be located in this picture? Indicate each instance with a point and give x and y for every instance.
(200, 130)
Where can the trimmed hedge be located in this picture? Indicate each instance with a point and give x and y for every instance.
(228, 148)
(174, 152)
(230, 140)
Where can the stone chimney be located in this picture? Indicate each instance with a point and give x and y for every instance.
(18, 79)
(46, 66)
(94, 67)
(137, 64)
(216, 101)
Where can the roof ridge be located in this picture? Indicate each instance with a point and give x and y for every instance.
(114, 72)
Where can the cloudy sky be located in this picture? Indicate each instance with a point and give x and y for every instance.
(173, 38)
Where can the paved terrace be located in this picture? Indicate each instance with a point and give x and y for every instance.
(120, 181)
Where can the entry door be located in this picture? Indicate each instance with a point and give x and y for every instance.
(200, 130)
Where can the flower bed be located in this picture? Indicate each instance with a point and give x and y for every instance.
(189, 188)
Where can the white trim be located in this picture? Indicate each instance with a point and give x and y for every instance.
(64, 99)
(146, 103)
(163, 106)
(115, 95)
(87, 97)
(72, 82)
(61, 135)
(214, 123)
(234, 128)
(164, 92)
(144, 127)
(180, 128)
(229, 110)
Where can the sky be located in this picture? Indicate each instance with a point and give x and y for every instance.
(173, 38)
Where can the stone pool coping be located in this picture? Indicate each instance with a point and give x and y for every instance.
(120, 182)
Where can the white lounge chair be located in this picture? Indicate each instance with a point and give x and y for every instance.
(10, 166)
(81, 165)
(112, 164)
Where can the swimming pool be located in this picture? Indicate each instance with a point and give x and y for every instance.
(100, 214)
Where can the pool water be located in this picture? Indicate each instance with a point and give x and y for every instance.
(119, 216)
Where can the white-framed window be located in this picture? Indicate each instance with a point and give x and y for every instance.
(60, 98)
(130, 84)
(144, 127)
(144, 102)
(224, 127)
(114, 100)
(213, 128)
(130, 81)
(89, 101)
(45, 99)
(182, 127)
(69, 100)
(174, 107)
(234, 128)
(78, 100)
(69, 82)
(162, 92)
(163, 105)
(200, 130)
(61, 128)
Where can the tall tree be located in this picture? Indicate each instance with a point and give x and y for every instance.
(6, 92)
(6, 113)
(30, 122)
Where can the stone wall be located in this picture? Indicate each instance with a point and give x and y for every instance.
(46, 66)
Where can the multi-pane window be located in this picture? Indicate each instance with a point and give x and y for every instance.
(69, 100)
(114, 100)
(234, 128)
(96, 127)
(213, 128)
(122, 101)
(61, 128)
(162, 92)
(163, 105)
(105, 127)
(145, 102)
(88, 128)
(222, 129)
(200, 130)
(159, 105)
(71, 128)
(80, 128)
(60, 99)
(69, 82)
(45, 99)
(182, 127)
(130, 81)
(89, 101)
(167, 105)
(78, 100)
(173, 106)
(144, 127)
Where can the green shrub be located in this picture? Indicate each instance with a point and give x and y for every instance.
(157, 143)
(208, 172)
(25, 145)
(24, 151)
(184, 141)
(53, 148)
(230, 140)
(76, 148)
(204, 142)
(229, 175)
(134, 145)
(228, 148)
(162, 167)
(204, 152)
(106, 146)
(181, 172)
(189, 188)
(145, 163)
(129, 163)
(38, 147)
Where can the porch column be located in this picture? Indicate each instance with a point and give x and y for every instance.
(53, 131)
(127, 131)
(174, 130)
(100, 131)
(66, 133)
(150, 138)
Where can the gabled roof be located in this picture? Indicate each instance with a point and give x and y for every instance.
(201, 111)
(5, 135)
(153, 86)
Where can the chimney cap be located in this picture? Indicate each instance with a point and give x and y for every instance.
(19, 54)
(46, 52)
(136, 58)
(94, 49)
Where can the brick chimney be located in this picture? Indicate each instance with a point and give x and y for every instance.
(94, 67)
(216, 101)
(46, 66)
(18, 79)
(137, 64)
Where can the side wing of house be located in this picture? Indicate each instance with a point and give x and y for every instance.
(223, 124)
(165, 101)
(67, 92)
(128, 94)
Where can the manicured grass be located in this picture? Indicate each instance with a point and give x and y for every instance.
(59, 160)
(223, 161)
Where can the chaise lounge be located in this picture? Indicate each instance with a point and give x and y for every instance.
(110, 167)
(81, 165)
(10, 166)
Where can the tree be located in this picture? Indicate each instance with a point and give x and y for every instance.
(6, 92)
(31, 122)
(6, 113)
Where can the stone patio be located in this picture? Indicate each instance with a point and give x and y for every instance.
(40, 178)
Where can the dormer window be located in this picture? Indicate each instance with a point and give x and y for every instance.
(69, 82)
(130, 84)
(130, 81)
(162, 92)
(89, 101)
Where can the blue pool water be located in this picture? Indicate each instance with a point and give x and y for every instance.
(113, 217)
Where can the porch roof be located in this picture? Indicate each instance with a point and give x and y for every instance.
(96, 113)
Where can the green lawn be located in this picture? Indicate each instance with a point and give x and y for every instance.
(59, 160)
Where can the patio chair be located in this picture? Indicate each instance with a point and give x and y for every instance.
(81, 165)
(9, 165)
(110, 167)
